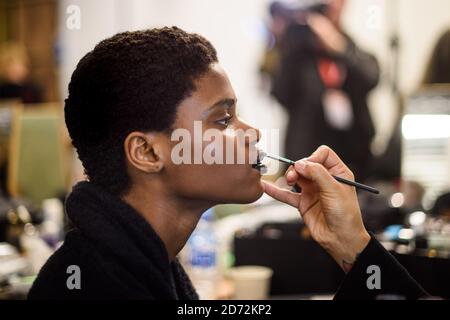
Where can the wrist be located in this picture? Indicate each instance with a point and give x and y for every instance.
(346, 251)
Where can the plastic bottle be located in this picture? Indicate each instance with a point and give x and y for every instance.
(202, 257)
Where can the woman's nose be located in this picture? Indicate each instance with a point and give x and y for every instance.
(253, 134)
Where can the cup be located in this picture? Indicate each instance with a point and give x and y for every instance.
(251, 282)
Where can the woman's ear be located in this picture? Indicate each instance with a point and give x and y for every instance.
(143, 153)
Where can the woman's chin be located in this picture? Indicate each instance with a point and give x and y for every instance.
(258, 195)
(250, 194)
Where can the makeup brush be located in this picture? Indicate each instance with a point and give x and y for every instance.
(358, 185)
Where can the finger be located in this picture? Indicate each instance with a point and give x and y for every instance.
(285, 196)
(326, 157)
(292, 176)
(317, 173)
(330, 160)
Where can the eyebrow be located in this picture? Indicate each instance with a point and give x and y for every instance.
(224, 103)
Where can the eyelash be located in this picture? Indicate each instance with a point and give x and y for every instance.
(227, 120)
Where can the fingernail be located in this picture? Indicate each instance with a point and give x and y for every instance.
(300, 165)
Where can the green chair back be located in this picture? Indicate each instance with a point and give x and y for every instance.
(36, 165)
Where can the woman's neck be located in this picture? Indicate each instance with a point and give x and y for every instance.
(172, 218)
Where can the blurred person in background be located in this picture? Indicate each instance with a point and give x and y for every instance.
(323, 81)
(441, 208)
(413, 192)
(14, 75)
(275, 31)
(438, 70)
(15, 84)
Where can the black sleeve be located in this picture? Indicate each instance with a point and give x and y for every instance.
(363, 70)
(394, 279)
(295, 52)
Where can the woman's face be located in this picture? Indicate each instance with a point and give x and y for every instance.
(206, 159)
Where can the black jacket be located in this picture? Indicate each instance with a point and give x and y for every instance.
(121, 257)
(118, 253)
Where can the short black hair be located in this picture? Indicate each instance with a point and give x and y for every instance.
(133, 81)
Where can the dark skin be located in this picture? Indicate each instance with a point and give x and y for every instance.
(173, 197)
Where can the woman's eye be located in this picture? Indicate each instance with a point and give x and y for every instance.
(225, 122)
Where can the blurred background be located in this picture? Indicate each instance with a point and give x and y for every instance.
(368, 77)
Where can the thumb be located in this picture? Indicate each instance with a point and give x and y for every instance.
(316, 173)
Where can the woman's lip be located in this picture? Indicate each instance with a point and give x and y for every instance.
(257, 165)
(261, 168)
(258, 160)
